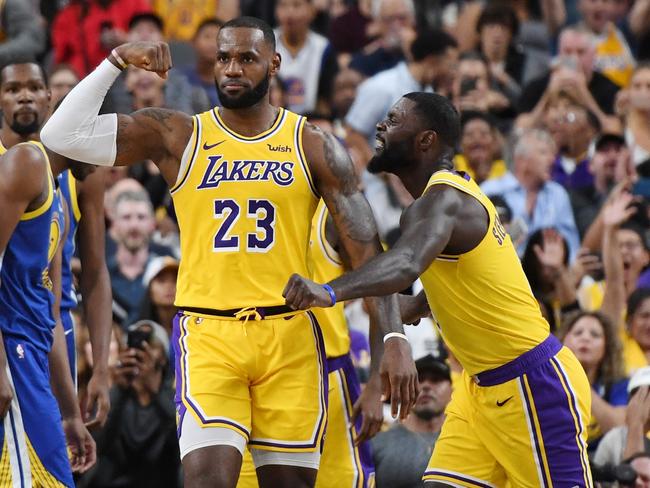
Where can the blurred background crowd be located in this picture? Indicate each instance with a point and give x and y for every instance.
(554, 98)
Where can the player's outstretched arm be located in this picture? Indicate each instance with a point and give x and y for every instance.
(338, 184)
(426, 229)
(77, 131)
(412, 308)
(96, 289)
(22, 179)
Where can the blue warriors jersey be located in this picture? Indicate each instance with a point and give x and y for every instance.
(244, 208)
(68, 190)
(26, 297)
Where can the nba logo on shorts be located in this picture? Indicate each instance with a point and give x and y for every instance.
(20, 351)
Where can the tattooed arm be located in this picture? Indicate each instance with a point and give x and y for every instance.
(158, 134)
(392, 365)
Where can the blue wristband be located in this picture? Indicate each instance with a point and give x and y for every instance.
(329, 290)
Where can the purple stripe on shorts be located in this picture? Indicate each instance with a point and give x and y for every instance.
(181, 387)
(322, 359)
(531, 426)
(176, 336)
(553, 408)
(352, 391)
(456, 476)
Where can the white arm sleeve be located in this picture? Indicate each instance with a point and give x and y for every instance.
(76, 130)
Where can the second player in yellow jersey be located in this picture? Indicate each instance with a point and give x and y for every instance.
(520, 412)
(343, 464)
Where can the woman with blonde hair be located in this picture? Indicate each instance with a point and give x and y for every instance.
(633, 106)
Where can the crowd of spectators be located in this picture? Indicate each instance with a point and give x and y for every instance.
(554, 98)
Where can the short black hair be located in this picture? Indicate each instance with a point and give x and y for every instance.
(431, 42)
(499, 13)
(27, 60)
(437, 113)
(503, 209)
(253, 23)
(210, 21)
(636, 226)
(468, 115)
(636, 299)
(147, 17)
(62, 67)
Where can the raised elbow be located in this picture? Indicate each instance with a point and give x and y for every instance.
(51, 138)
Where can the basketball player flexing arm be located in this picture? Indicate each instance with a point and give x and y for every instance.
(246, 60)
(515, 373)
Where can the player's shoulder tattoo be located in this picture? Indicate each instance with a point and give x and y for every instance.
(160, 115)
(336, 159)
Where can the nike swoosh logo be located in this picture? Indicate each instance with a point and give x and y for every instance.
(68, 331)
(207, 147)
(501, 404)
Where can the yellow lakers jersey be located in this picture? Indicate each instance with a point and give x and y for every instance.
(481, 300)
(183, 17)
(3, 149)
(244, 208)
(613, 56)
(326, 265)
(497, 170)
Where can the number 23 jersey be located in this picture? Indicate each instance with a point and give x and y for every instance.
(244, 208)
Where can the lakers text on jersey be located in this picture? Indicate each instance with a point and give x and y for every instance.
(247, 364)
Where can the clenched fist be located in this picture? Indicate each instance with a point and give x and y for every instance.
(150, 55)
(302, 293)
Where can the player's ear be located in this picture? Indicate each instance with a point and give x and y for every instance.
(426, 140)
(275, 64)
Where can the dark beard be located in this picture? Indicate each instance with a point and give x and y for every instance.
(425, 414)
(25, 129)
(246, 99)
(391, 158)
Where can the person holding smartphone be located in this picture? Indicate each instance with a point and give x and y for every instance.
(138, 444)
(474, 89)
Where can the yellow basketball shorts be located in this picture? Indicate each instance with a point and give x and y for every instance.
(264, 380)
(530, 430)
(343, 465)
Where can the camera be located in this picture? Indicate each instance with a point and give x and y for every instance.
(467, 85)
(624, 474)
(137, 334)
